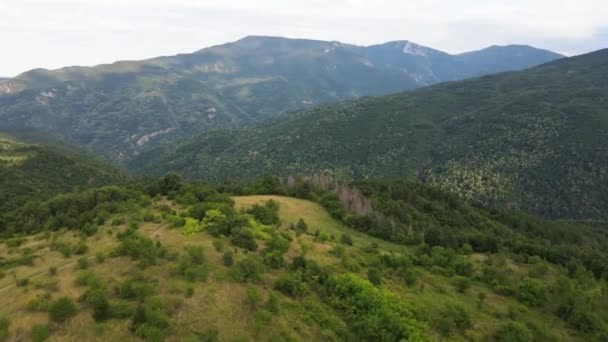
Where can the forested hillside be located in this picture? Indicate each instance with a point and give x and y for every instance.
(533, 140)
(31, 172)
(120, 109)
(271, 260)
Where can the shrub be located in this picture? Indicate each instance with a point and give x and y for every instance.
(209, 335)
(22, 282)
(62, 309)
(252, 296)
(245, 238)
(249, 269)
(189, 292)
(218, 245)
(291, 284)
(100, 257)
(196, 253)
(150, 319)
(379, 314)
(98, 300)
(81, 249)
(266, 214)
(83, 263)
(261, 318)
(462, 284)
(227, 258)
(301, 227)
(513, 332)
(346, 239)
(272, 304)
(40, 332)
(42, 302)
(4, 325)
(374, 275)
(191, 226)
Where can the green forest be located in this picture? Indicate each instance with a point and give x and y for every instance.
(528, 140)
(283, 258)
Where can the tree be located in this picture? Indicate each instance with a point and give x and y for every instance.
(531, 292)
(192, 226)
(62, 309)
(171, 182)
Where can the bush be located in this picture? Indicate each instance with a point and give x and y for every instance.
(374, 275)
(22, 282)
(301, 227)
(462, 284)
(191, 226)
(42, 302)
(346, 239)
(261, 318)
(189, 292)
(62, 309)
(272, 304)
(83, 263)
(150, 319)
(531, 292)
(81, 249)
(4, 325)
(100, 257)
(196, 253)
(98, 300)
(249, 269)
(40, 332)
(513, 332)
(267, 214)
(245, 238)
(218, 245)
(252, 296)
(227, 259)
(291, 284)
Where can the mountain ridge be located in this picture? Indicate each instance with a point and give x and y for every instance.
(119, 110)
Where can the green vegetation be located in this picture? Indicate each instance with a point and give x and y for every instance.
(388, 260)
(528, 140)
(123, 108)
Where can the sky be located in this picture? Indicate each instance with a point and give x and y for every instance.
(56, 33)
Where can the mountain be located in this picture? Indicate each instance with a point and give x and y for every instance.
(34, 167)
(535, 140)
(121, 109)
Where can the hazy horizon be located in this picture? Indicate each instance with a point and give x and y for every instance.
(58, 33)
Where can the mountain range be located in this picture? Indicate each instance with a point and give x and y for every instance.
(120, 109)
(534, 140)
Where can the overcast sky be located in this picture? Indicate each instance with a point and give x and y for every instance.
(56, 33)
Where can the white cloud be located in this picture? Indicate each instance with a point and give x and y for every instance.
(55, 33)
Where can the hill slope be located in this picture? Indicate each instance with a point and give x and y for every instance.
(209, 266)
(34, 172)
(534, 140)
(120, 109)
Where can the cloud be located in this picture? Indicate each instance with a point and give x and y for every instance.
(55, 33)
